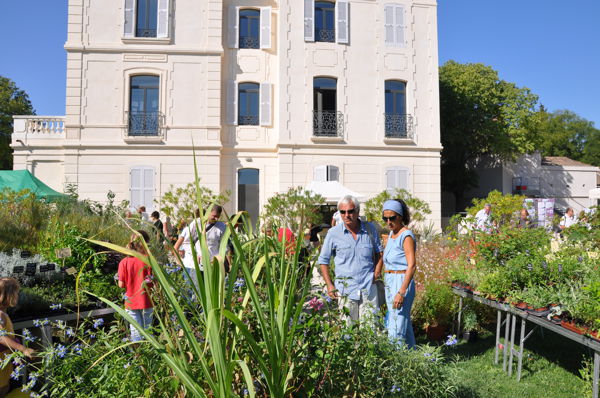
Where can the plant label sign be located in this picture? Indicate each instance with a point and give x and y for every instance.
(71, 271)
(63, 253)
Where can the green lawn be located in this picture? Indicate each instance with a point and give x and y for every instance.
(550, 368)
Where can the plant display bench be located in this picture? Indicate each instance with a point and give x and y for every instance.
(508, 317)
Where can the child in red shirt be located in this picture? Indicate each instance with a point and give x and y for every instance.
(135, 276)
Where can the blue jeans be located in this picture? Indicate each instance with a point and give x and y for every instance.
(143, 318)
(398, 322)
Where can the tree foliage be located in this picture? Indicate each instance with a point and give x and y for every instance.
(418, 208)
(564, 133)
(481, 115)
(180, 203)
(13, 101)
(294, 209)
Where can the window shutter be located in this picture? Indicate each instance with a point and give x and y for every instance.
(233, 22)
(402, 179)
(341, 13)
(320, 173)
(399, 25)
(265, 104)
(397, 178)
(389, 25)
(135, 186)
(265, 27)
(148, 188)
(232, 94)
(309, 20)
(162, 25)
(333, 173)
(129, 23)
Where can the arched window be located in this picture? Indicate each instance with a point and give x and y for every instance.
(325, 21)
(248, 104)
(144, 105)
(249, 28)
(248, 192)
(396, 119)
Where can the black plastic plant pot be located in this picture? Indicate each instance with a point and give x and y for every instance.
(470, 336)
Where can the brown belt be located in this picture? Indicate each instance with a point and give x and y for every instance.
(390, 271)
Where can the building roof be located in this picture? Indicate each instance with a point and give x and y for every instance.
(562, 161)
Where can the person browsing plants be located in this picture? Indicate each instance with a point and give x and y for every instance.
(400, 264)
(356, 248)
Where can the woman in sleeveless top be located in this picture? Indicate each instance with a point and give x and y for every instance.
(400, 264)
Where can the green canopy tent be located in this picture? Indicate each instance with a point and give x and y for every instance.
(18, 180)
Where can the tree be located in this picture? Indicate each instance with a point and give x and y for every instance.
(418, 208)
(481, 115)
(180, 203)
(294, 209)
(13, 101)
(564, 133)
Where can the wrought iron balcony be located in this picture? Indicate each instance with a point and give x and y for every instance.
(248, 120)
(145, 32)
(327, 35)
(145, 123)
(328, 124)
(398, 126)
(249, 42)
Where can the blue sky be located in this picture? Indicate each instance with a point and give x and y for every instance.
(549, 46)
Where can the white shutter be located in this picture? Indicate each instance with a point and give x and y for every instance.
(389, 25)
(333, 173)
(265, 104)
(232, 97)
(135, 187)
(320, 173)
(233, 22)
(397, 178)
(399, 25)
(129, 22)
(309, 20)
(341, 17)
(162, 25)
(148, 188)
(265, 27)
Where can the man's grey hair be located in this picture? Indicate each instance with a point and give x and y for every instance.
(349, 199)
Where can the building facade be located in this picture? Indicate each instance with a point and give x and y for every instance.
(267, 94)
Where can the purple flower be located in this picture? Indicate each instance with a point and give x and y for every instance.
(98, 322)
(451, 340)
(61, 351)
(76, 349)
(55, 306)
(315, 304)
(70, 332)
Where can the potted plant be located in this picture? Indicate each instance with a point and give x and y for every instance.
(469, 324)
(435, 309)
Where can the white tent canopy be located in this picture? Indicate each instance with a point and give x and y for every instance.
(595, 193)
(332, 191)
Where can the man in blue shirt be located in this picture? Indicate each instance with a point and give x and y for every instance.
(357, 253)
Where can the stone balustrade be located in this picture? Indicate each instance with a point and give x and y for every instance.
(31, 127)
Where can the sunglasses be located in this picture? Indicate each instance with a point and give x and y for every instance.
(351, 211)
(392, 218)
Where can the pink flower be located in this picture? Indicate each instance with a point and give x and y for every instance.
(315, 304)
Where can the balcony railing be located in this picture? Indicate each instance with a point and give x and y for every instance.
(328, 124)
(248, 120)
(327, 35)
(145, 33)
(398, 126)
(249, 42)
(145, 123)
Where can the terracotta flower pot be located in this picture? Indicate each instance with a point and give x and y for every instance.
(570, 325)
(521, 305)
(435, 333)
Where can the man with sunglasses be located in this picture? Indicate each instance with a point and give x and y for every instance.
(357, 252)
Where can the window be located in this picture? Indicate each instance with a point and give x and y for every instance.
(394, 25)
(248, 192)
(396, 178)
(141, 187)
(326, 21)
(146, 18)
(249, 28)
(326, 173)
(249, 104)
(398, 123)
(144, 116)
(326, 118)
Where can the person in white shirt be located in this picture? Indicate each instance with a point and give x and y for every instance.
(142, 212)
(214, 234)
(568, 219)
(483, 218)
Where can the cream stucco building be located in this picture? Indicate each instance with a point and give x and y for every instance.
(271, 94)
